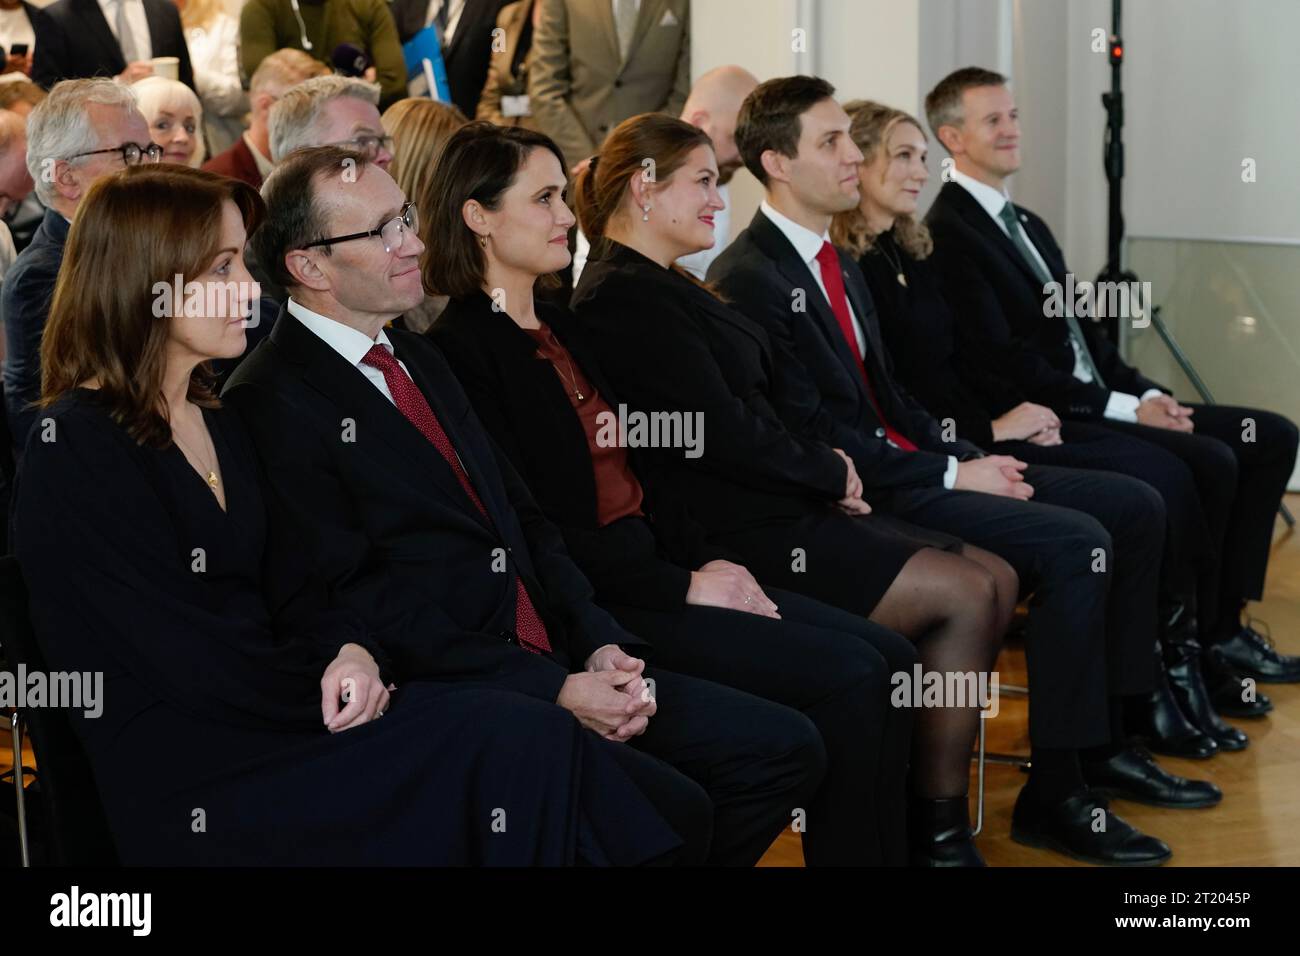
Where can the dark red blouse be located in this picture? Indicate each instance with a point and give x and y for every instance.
(618, 493)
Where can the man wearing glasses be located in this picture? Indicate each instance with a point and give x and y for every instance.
(330, 111)
(83, 130)
(388, 503)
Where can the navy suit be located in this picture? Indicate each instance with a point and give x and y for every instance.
(368, 517)
(25, 305)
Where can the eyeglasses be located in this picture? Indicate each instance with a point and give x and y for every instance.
(367, 144)
(393, 232)
(132, 153)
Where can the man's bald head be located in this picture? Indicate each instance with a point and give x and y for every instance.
(714, 105)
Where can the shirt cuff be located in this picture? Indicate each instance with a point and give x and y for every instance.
(1151, 393)
(950, 474)
(1122, 407)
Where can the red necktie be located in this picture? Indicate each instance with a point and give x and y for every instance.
(412, 403)
(829, 261)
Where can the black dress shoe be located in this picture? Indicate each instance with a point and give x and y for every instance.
(1228, 691)
(941, 833)
(1132, 774)
(1076, 828)
(1253, 655)
(1156, 720)
(1183, 667)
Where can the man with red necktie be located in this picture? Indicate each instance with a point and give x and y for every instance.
(390, 502)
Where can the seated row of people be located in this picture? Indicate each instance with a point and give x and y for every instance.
(728, 619)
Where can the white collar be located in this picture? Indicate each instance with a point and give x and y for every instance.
(344, 339)
(993, 200)
(806, 242)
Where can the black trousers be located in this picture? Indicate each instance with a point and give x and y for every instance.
(1088, 544)
(1189, 552)
(836, 668)
(1241, 460)
(756, 761)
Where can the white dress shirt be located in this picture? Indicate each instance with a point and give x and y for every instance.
(1120, 406)
(456, 8)
(807, 244)
(135, 18)
(348, 342)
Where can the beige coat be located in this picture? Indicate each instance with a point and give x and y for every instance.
(579, 86)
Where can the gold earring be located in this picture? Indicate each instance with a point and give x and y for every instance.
(482, 241)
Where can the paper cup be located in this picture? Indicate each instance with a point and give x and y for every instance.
(168, 66)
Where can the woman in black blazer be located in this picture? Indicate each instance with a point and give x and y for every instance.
(944, 370)
(766, 489)
(140, 524)
(535, 387)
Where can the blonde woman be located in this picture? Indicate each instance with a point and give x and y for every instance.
(175, 118)
(419, 128)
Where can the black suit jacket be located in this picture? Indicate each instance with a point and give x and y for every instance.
(1000, 304)
(470, 50)
(75, 41)
(669, 345)
(762, 274)
(367, 516)
(522, 403)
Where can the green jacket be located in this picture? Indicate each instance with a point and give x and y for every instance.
(269, 25)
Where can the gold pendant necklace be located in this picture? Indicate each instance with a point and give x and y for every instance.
(898, 266)
(211, 478)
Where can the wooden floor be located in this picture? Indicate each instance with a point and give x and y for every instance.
(1258, 822)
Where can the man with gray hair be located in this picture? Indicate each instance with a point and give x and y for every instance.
(330, 111)
(249, 159)
(83, 130)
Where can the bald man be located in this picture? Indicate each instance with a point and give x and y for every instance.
(713, 105)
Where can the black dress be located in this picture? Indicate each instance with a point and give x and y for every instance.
(831, 665)
(211, 747)
(761, 487)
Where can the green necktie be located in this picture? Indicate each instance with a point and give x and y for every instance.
(1012, 222)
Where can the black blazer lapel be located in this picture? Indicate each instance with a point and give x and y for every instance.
(969, 210)
(410, 457)
(92, 18)
(773, 244)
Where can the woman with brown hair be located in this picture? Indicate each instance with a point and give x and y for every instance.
(140, 525)
(419, 126)
(502, 225)
(764, 488)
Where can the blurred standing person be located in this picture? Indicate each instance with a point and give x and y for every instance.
(18, 22)
(598, 62)
(116, 38)
(325, 28)
(212, 34)
(465, 28)
(505, 94)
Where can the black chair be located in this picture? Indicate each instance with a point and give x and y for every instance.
(77, 830)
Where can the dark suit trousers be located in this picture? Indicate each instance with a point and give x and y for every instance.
(1241, 460)
(1089, 546)
(1189, 553)
(757, 761)
(836, 668)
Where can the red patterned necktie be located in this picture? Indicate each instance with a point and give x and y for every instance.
(829, 261)
(411, 402)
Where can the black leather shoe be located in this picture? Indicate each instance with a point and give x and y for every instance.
(941, 833)
(1253, 655)
(1183, 667)
(1132, 774)
(1083, 828)
(1228, 691)
(1156, 721)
